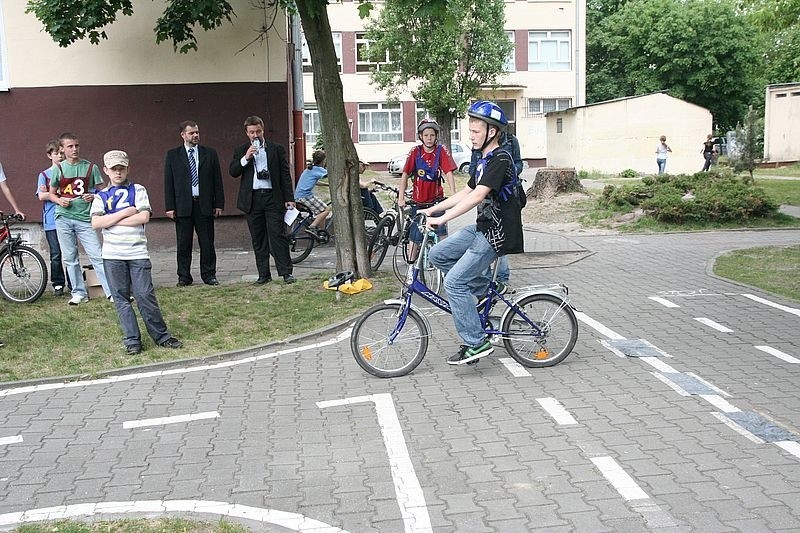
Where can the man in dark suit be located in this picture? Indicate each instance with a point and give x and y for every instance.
(265, 192)
(193, 196)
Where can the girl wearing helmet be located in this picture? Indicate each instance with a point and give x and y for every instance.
(427, 164)
(466, 256)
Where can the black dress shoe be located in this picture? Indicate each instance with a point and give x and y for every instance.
(183, 283)
(288, 278)
(212, 281)
(261, 281)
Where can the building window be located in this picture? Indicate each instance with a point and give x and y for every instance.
(380, 123)
(337, 45)
(311, 124)
(559, 125)
(549, 50)
(780, 95)
(537, 107)
(3, 54)
(511, 65)
(363, 60)
(455, 125)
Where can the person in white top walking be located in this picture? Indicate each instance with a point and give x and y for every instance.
(662, 149)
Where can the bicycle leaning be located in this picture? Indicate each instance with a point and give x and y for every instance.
(23, 274)
(393, 230)
(538, 327)
(301, 242)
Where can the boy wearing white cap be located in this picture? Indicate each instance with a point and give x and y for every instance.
(121, 210)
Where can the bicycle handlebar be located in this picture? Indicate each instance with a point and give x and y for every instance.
(13, 217)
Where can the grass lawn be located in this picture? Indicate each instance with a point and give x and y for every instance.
(791, 170)
(774, 268)
(785, 192)
(50, 338)
(163, 525)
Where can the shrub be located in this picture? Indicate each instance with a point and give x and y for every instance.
(583, 174)
(628, 173)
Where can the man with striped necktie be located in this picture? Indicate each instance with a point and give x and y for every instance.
(193, 196)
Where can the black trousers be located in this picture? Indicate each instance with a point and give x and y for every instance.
(265, 221)
(185, 227)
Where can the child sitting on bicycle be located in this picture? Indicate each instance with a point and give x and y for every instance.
(304, 194)
(427, 164)
(466, 256)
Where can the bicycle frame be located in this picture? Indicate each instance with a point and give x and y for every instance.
(418, 287)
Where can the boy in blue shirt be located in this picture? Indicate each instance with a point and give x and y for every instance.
(57, 276)
(304, 192)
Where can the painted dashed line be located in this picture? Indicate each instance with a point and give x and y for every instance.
(410, 497)
(619, 479)
(663, 301)
(184, 370)
(597, 326)
(720, 403)
(790, 446)
(659, 365)
(715, 325)
(164, 420)
(290, 521)
(737, 428)
(669, 383)
(516, 369)
(557, 411)
(779, 354)
(708, 384)
(10, 440)
(764, 301)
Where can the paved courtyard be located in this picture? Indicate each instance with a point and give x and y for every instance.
(697, 428)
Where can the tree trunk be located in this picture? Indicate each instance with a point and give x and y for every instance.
(445, 138)
(551, 181)
(340, 152)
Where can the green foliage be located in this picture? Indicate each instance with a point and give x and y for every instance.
(628, 173)
(701, 51)
(77, 20)
(180, 16)
(450, 50)
(702, 197)
(583, 174)
(320, 143)
(749, 139)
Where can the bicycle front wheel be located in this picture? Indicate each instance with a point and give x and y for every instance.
(555, 337)
(372, 349)
(23, 275)
(300, 242)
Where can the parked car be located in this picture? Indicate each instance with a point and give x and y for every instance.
(461, 155)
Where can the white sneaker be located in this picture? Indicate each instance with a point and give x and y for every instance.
(75, 300)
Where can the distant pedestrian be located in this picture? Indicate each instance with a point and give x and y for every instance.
(265, 192)
(193, 197)
(662, 149)
(57, 277)
(121, 210)
(708, 151)
(72, 185)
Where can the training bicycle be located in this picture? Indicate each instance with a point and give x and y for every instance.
(23, 274)
(301, 242)
(394, 230)
(538, 327)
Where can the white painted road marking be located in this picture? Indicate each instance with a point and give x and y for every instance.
(671, 384)
(410, 497)
(772, 304)
(557, 411)
(658, 364)
(779, 354)
(516, 369)
(663, 301)
(600, 328)
(290, 521)
(736, 427)
(717, 326)
(169, 420)
(720, 403)
(707, 383)
(619, 479)
(790, 446)
(10, 440)
(185, 370)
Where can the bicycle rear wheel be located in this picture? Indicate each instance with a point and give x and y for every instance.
(370, 344)
(556, 338)
(300, 242)
(379, 242)
(23, 275)
(371, 221)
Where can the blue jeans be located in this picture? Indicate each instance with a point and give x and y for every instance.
(662, 165)
(464, 259)
(69, 232)
(134, 277)
(56, 268)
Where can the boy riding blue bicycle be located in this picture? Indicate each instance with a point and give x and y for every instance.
(466, 256)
